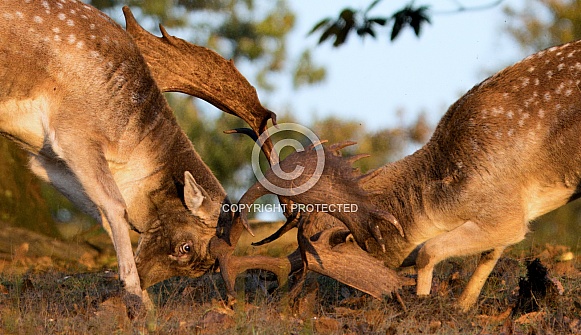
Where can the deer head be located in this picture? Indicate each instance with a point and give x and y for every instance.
(338, 193)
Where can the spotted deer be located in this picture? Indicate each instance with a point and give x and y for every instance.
(78, 96)
(505, 153)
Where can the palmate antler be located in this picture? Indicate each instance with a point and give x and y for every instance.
(337, 186)
(329, 252)
(179, 66)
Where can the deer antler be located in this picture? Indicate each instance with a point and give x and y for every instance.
(328, 252)
(222, 248)
(338, 185)
(179, 66)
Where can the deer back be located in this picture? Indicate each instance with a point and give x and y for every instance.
(76, 93)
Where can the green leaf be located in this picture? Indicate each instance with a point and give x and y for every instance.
(319, 25)
(378, 20)
(371, 5)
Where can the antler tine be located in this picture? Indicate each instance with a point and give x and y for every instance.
(355, 158)
(164, 34)
(341, 145)
(291, 222)
(312, 146)
(245, 131)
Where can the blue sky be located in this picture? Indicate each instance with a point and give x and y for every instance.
(369, 80)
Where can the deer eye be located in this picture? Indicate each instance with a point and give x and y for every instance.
(185, 248)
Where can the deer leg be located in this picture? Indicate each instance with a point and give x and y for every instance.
(100, 187)
(466, 239)
(485, 265)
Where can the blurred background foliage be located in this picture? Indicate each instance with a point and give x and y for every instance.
(254, 33)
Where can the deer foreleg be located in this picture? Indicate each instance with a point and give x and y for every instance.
(466, 239)
(100, 187)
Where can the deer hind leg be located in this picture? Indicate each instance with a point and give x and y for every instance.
(466, 239)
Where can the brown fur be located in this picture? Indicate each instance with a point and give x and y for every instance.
(76, 93)
(505, 153)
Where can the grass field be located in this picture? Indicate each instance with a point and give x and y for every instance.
(41, 294)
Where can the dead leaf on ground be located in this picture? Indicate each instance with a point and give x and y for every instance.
(216, 321)
(326, 325)
(113, 310)
(530, 318)
(495, 318)
(20, 252)
(575, 326)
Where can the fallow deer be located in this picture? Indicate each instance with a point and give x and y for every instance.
(505, 153)
(78, 96)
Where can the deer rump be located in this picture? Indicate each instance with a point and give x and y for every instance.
(505, 153)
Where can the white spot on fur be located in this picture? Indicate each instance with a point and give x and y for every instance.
(19, 15)
(510, 114)
(71, 39)
(497, 110)
(547, 96)
(94, 54)
(541, 113)
(550, 74)
(531, 69)
(560, 66)
(56, 30)
(80, 44)
(537, 81)
(525, 81)
(57, 38)
(92, 26)
(61, 16)
(7, 16)
(510, 132)
(37, 19)
(70, 23)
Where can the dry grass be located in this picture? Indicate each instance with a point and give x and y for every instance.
(40, 296)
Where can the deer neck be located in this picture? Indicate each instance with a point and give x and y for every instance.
(398, 188)
(152, 179)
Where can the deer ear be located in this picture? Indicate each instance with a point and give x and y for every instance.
(198, 201)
